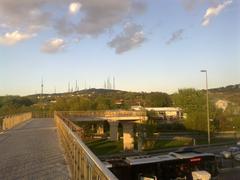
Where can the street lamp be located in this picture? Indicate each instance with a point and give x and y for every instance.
(208, 123)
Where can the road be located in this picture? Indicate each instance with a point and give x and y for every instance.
(32, 151)
(230, 174)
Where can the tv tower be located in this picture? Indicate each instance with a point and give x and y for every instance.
(69, 87)
(76, 87)
(113, 82)
(104, 85)
(42, 88)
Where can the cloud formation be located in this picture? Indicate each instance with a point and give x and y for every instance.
(131, 37)
(74, 7)
(177, 35)
(26, 14)
(100, 16)
(91, 17)
(53, 46)
(214, 11)
(14, 37)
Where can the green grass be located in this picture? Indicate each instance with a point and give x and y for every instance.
(105, 147)
(215, 141)
(160, 144)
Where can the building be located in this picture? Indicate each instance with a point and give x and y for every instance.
(162, 113)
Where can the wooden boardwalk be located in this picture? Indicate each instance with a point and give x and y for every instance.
(32, 151)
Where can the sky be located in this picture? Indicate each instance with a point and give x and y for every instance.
(146, 45)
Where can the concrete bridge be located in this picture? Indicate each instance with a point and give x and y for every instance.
(52, 148)
(114, 118)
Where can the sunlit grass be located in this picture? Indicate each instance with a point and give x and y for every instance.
(105, 147)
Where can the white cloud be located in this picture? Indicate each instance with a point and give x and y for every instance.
(95, 18)
(53, 46)
(214, 11)
(74, 7)
(130, 38)
(92, 17)
(25, 13)
(177, 35)
(14, 37)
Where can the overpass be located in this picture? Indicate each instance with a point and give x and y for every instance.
(47, 148)
(114, 118)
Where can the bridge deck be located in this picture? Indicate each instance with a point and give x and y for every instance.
(32, 151)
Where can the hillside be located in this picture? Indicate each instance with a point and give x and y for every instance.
(229, 93)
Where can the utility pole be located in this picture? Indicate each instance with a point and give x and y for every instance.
(208, 122)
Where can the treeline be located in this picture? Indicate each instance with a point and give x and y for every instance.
(14, 104)
(88, 100)
(122, 100)
(193, 103)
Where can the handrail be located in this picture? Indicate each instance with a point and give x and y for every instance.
(83, 163)
(9, 122)
(78, 130)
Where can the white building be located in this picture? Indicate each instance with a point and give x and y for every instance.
(164, 113)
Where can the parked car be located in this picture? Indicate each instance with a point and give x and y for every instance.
(238, 143)
(231, 152)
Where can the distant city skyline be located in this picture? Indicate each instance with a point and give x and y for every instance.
(145, 45)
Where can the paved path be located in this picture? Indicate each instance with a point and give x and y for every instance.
(32, 151)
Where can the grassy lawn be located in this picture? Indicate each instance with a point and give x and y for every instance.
(105, 147)
(215, 141)
(160, 144)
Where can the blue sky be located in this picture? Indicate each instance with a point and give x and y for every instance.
(146, 45)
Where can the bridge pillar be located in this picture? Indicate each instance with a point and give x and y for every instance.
(128, 136)
(100, 129)
(113, 130)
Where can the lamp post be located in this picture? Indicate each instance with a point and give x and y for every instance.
(208, 123)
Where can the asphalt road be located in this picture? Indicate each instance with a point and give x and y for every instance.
(230, 174)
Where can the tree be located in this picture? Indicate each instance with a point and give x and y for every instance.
(193, 103)
(156, 99)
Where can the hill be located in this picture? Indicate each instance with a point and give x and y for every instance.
(229, 93)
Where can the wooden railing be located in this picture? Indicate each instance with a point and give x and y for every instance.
(9, 122)
(84, 164)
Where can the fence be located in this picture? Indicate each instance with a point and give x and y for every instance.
(83, 163)
(9, 122)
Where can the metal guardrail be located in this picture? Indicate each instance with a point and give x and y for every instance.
(9, 122)
(83, 163)
(76, 129)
